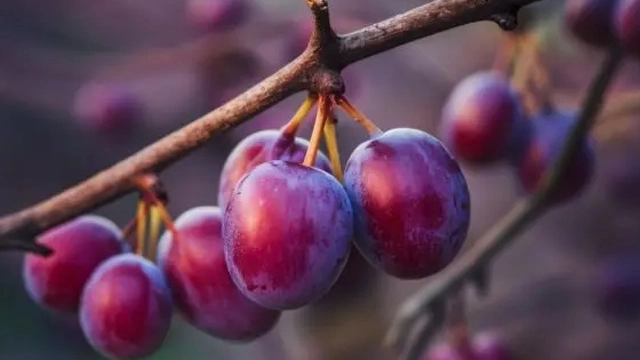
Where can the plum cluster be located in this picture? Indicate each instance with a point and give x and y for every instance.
(288, 227)
(603, 23)
(123, 300)
(279, 239)
(483, 122)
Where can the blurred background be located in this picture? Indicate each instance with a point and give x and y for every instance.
(85, 84)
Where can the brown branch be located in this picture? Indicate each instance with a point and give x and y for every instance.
(429, 19)
(115, 182)
(453, 277)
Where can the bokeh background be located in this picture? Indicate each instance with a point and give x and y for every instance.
(165, 62)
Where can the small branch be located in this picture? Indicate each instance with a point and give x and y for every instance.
(429, 19)
(26, 246)
(112, 183)
(453, 277)
(115, 182)
(425, 329)
(323, 34)
(480, 280)
(589, 112)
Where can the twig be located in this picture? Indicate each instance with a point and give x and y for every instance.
(510, 226)
(425, 329)
(26, 245)
(112, 183)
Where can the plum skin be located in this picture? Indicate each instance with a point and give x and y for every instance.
(490, 346)
(483, 118)
(627, 25)
(80, 246)
(218, 15)
(483, 346)
(550, 130)
(126, 308)
(107, 108)
(591, 21)
(616, 288)
(258, 148)
(411, 203)
(203, 291)
(622, 181)
(287, 232)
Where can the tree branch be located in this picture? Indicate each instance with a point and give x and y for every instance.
(429, 19)
(453, 277)
(297, 76)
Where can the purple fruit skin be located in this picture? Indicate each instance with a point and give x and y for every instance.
(203, 291)
(411, 203)
(448, 352)
(622, 179)
(617, 288)
(627, 25)
(489, 346)
(218, 15)
(259, 148)
(483, 346)
(107, 109)
(481, 117)
(79, 246)
(126, 308)
(287, 232)
(550, 131)
(591, 21)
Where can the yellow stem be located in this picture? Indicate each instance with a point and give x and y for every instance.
(531, 76)
(330, 138)
(359, 117)
(316, 135)
(141, 226)
(524, 62)
(155, 222)
(504, 56)
(291, 128)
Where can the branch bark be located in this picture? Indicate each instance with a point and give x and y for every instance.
(114, 182)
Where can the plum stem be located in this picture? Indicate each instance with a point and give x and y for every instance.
(330, 137)
(457, 323)
(506, 230)
(155, 222)
(163, 213)
(530, 75)
(291, 128)
(316, 135)
(154, 195)
(358, 116)
(540, 77)
(141, 227)
(506, 54)
(521, 75)
(129, 231)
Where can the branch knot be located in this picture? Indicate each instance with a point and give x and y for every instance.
(327, 81)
